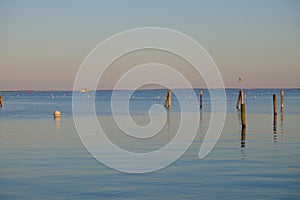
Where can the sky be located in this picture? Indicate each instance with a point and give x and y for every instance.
(43, 43)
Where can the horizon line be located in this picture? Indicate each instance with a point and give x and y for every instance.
(229, 88)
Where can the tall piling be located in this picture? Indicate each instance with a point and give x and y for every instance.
(201, 93)
(243, 109)
(282, 100)
(274, 118)
(274, 104)
(0, 101)
(168, 99)
(239, 100)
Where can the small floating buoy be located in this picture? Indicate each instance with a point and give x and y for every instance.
(57, 114)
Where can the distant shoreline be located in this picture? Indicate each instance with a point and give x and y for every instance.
(66, 90)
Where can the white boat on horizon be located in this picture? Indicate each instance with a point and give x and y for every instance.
(84, 90)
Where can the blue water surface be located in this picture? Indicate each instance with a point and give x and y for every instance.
(43, 158)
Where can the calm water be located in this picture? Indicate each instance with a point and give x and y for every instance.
(42, 158)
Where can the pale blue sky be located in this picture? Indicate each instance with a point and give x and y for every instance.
(42, 43)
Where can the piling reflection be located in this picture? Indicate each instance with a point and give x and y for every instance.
(239, 115)
(243, 137)
(282, 124)
(243, 143)
(201, 121)
(243, 130)
(168, 119)
(275, 128)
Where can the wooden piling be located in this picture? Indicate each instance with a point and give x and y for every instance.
(239, 100)
(168, 99)
(243, 109)
(282, 100)
(242, 96)
(274, 118)
(243, 113)
(201, 93)
(0, 101)
(274, 104)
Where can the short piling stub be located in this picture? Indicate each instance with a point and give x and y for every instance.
(0, 101)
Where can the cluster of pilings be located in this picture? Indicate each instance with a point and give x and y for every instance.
(240, 105)
(240, 102)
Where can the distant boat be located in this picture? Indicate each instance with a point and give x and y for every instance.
(84, 90)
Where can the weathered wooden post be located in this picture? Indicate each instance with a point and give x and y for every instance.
(201, 98)
(282, 113)
(243, 115)
(282, 100)
(274, 104)
(274, 118)
(0, 101)
(243, 109)
(239, 100)
(275, 122)
(168, 99)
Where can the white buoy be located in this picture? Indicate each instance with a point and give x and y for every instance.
(57, 114)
